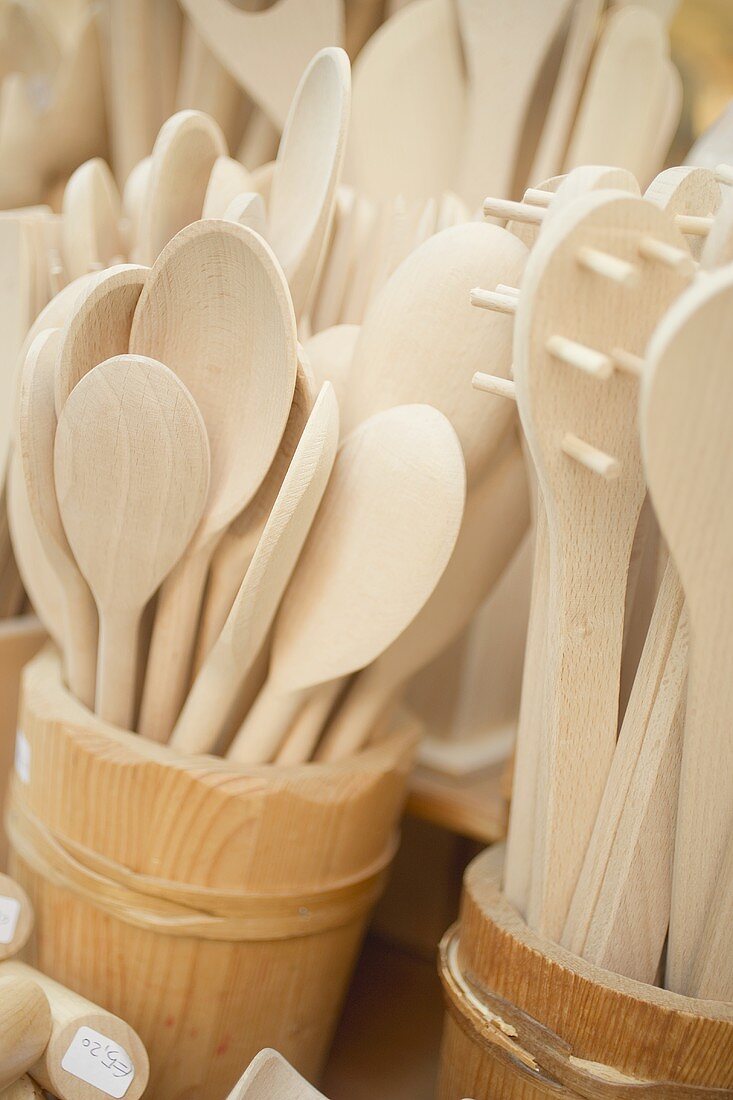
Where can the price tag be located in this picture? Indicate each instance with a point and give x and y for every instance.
(22, 757)
(100, 1062)
(9, 913)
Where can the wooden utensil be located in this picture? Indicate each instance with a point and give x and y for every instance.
(686, 191)
(16, 315)
(133, 202)
(36, 431)
(422, 341)
(90, 229)
(228, 179)
(711, 975)
(494, 37)
(183, 157)
(684, 414)
(571, 318)
(330, 353)
(132, 475)
(214, 282)
(494, 523)
(266, 52)
(239, 542)
(258, 599)
(308, 170)
(90, 1050)
(99, 325)
(268, 1075)
(16, 917)
(620, 910)
(382, 538)
(408, 107)
(248, 209)
(25, 1027)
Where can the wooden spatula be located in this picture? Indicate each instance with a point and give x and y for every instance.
(578, 411)
(494, 522)
(382, 538)
(258, 599)
(228, 179)
(36, 432)
(308, 169)
(688, 457)
(214, 282)
(267, 1076)
(90, 230)
(132, 474)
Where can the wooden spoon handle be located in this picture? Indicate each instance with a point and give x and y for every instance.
(261, 734)
(80, 638)
(117, 662)
(171, 646)
(25, 1026)
(308, 726)
(228, 568)
(365, 702)
(209, 701)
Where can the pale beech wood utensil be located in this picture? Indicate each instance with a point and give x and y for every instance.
(688, 456)
(36, 432)
(628, 78)
(326, 310)
(664, 120)
(229, 662)
(91, 215)
(308, 169)
(16, 917)
(132, 474)
(98, 326)
(718, 247)
(330, 353)
(494, 36)
(217, 311)
(409, 105)
(248, 209)
(131, 61)
(25, 1026)
(711, 974)
(40, 581)
(684, 191)
(620, 909)
(205, 85)
(557, 127)
(68, 1067)
(422, 341)
(16, 315)
(240, 540)
(494, 522)
(183, 157)
(383, 535)
(133, 202)
(228, 179)
(578, 414)
(269, 1076)
(266, 52)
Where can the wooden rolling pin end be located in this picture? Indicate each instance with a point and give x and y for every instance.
(25, 1027)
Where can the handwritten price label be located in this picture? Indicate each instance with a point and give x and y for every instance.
(100, 1062)
(9, 913)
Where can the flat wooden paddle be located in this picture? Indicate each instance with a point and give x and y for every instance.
(90, 230)
(132, 474)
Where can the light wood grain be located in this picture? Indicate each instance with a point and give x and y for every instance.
(25, 1026)
(22, 920)
(90, 229)
(686, 190)
(270, 1075)
(382, 538)
(228, 179)
(131, 462)
(213, 281)
(267, 577)
(683, 414)
(23, 1089)
(329, 354)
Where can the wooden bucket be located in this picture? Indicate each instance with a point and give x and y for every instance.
(218, 909)
(526, 1019)
(20, 639)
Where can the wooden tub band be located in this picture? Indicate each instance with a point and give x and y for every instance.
(176, 909)
(535, 1051)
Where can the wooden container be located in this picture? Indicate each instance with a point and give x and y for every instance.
(20, 639)
(527, 1020)
(217, 909)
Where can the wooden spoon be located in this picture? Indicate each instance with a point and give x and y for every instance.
(422, 341)
(330, 353)
(578, 413)
(308, 170)
(266, 52)
(267, 1076)
(248, 209)
(216, 309)
(99, 326)
(25, 1026)
(217, 684)
(36, 431)
(16, 315)
(228, 179)
(686, 398)
(90, 230)
(183, 157)
(382, 538)
(494, 523)
(239, 542)
(132, 475)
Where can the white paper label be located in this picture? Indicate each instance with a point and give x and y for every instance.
(100, 1062)
(22, 757)
(9, 913)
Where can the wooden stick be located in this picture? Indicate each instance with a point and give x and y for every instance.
(88, 1046)
(25, 1026)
